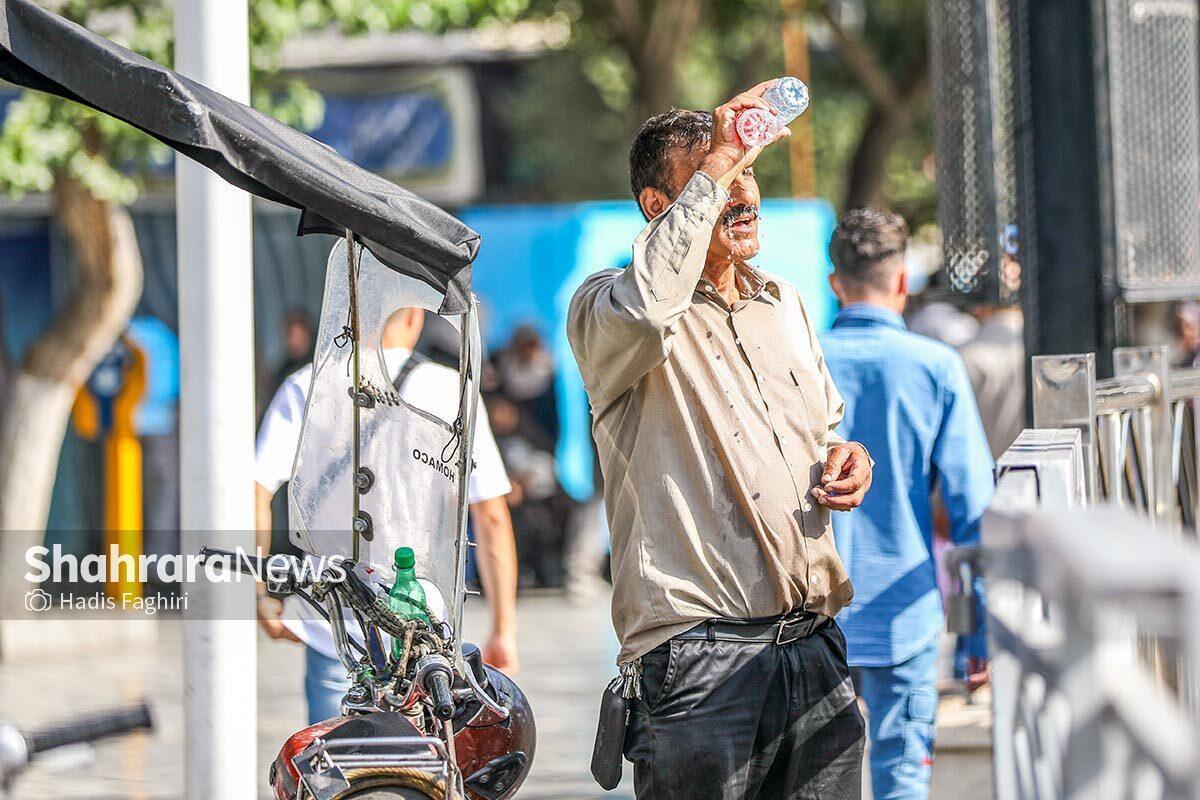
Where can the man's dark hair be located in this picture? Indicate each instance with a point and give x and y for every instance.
(648, 163)
(864, 245)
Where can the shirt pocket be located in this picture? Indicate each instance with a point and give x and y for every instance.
(807, 384)
(665, 266)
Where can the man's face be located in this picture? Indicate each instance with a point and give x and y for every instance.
(297, 339)
(1189, 332)
(735, 236)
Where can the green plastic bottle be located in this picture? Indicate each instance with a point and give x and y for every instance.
(407, 597)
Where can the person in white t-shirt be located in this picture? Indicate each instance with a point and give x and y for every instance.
(432, 388)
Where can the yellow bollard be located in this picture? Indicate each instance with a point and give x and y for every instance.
(123, 480)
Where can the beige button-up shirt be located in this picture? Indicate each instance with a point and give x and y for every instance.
(712, 424)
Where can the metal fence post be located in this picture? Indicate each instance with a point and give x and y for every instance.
(1064, 396)
(1153, 429)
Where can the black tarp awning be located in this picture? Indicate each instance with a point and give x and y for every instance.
(41, 50)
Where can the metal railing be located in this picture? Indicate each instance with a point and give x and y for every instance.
(1138, 427)
(1094, 613)
(1078, 712)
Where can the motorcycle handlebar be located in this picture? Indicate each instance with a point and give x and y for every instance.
(89, 729)
(438, 686)
(350, 586)
(434, 673)
(260, 568)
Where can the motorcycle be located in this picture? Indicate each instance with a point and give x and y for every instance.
(424, 717)
(19, 749)
(412, 726)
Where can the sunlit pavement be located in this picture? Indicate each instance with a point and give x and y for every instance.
(567, 655)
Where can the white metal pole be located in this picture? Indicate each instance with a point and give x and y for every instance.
(216, 339)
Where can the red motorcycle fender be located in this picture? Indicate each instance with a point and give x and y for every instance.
(284, 778)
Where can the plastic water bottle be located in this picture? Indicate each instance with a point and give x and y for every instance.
(407, 597)
(789, 98)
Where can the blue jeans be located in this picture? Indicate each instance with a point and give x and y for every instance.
(325, 683)
(901, 705)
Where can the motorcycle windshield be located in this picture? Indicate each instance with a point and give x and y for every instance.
(411, 434)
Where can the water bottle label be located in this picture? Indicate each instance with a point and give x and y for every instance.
(789, 96)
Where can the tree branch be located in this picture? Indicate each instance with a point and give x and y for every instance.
(106, 292)
(671, 25)
(628, 27)
(867, 70)
(670, 28)
(883, 131)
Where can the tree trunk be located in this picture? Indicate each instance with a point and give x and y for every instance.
(654, 93)
(42, 388)
(884, 129)
(654, 37)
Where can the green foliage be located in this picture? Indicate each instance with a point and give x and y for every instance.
(44, 136)
(571, 117)
(909, 186)
(574, 115)
(572, 136)
(839, 114)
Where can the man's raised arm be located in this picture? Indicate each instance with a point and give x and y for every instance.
(620, 322)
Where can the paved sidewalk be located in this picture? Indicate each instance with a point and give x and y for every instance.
(567, 655)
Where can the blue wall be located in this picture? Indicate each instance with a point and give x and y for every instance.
(534, 257)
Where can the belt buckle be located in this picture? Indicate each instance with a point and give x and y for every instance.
(780, 638)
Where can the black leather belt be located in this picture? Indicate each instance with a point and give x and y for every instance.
(781, 630)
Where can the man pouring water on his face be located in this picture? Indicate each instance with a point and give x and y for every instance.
(714, 419)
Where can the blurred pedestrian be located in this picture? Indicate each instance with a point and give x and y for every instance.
(995, 360)
(930, 313)
(536, 502)
(586, 548)
(525, 375)
(525, 408)
(1185, 325)
(714, 421)
(433, 389)
(299, 339)
(909, 401)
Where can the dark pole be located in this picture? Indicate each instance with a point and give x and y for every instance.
(1069, 288)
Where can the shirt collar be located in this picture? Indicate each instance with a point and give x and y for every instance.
(865, 315)
(750, 285)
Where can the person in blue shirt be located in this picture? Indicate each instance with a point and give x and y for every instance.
(908, 400)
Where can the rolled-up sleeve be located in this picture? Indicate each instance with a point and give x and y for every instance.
(620, 322)
(835, 407)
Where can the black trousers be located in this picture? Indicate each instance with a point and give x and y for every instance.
(725, 720)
